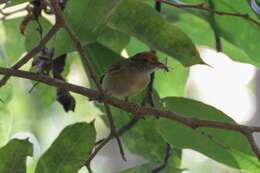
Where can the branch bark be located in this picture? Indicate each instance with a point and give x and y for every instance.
(136, 109)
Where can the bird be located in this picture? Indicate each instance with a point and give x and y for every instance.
(128, 77)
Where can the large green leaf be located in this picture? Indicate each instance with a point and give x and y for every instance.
(14, 40)
(242, 33)
(170, 83)
(69, 151)
(13, 156)
(152, 29)
(32, 34)
(214, 143)
(85, 18)
(114, 40)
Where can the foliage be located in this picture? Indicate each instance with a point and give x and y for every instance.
(105, 29)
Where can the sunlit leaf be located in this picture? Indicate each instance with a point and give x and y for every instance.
(153, 30)
(214, 143)
(14, 40)
(69, 151)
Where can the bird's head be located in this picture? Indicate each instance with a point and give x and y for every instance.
(149, 60)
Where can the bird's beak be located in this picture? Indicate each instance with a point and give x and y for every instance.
(162, 66)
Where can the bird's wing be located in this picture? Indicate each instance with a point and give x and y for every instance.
(115, 68)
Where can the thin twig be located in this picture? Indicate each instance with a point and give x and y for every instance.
(136, 109)
(97, 149)
(166, 160)
(214, 27)
(61, 19)
(123, 129)
(101, 143)
(89, 169)
(253, 144)
(150, 91)
(32, 53)
(201, 7)
(218, 41)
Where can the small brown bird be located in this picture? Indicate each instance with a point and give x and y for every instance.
(129, 77)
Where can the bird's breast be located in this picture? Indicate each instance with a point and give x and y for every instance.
(125, 84)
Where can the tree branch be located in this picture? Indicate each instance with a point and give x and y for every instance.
(201, 7)
(33, 52)
(61, 19)
(166, 160)
(136, 109)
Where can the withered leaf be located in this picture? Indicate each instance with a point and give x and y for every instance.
(62, 95)
(44, 61)
(65, 99)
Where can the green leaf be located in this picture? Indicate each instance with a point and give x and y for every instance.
(69, 151)
(240, 32)
(202, 34)
(148, 167)
(257, 2)
(85, 18)
(13, 156)
(214, 143)
(170, 83)
(114, 40)
(14, 40)
(6, 119)
(153, 30)
(32, 35)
